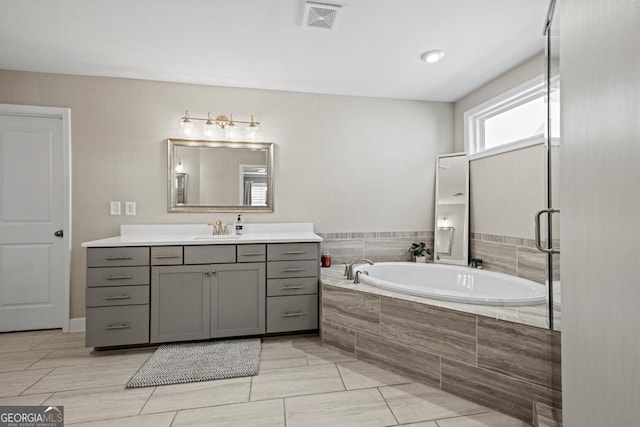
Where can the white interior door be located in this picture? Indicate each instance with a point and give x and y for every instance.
(33, 207)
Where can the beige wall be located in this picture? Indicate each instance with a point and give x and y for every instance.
(506, 191)
(600, 78)
(344, 163)
(519, 74)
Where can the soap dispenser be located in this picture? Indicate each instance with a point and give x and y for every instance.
(239, 225)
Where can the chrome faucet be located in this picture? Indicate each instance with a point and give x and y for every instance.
(219, 229)
(358, 273)
(348, 269)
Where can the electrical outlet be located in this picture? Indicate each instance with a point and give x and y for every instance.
(129, 208)
(114, 207)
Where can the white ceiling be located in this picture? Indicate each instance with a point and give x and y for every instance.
(375, 51)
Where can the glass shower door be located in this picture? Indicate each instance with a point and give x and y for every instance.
(551, 245)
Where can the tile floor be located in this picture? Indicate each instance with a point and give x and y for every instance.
(301, 383)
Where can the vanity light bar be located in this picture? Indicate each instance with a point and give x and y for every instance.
(228, 124)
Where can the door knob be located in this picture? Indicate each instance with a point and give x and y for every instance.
(59, 233)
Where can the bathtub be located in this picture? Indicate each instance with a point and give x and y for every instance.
(453, 283)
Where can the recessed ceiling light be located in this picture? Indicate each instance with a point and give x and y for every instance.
(432, 56)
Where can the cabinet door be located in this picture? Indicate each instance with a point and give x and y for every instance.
(180, 298)
(238, 298)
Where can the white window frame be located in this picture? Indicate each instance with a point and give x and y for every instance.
(475, 117)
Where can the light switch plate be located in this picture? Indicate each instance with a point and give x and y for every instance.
(129, 208)
(114, 207)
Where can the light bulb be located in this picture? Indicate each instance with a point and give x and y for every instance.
(253, 130)
(179, 167)
(209, 128)
(432, 56)
(186, 125)
(231, 129)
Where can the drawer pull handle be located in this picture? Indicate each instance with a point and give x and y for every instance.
(166, 256)
(297, 314)
(115, 327)
(293, 252)
(292, 287)
(116, 258)
(253, 254)
(113, 297)
(118, 277)
(291, 270)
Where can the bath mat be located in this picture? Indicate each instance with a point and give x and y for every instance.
(199, 361)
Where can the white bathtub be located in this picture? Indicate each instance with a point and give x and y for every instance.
(453, 283)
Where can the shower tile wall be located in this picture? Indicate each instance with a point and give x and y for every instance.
(378, 246)
(512, 255)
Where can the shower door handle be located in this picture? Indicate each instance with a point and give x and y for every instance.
(538, 240)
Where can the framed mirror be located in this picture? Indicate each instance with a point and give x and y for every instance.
(451, 242)
(215, 176)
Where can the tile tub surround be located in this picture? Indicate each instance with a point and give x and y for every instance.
(378, 246)
(499, 364)
(512, 255)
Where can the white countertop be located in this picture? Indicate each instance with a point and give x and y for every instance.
(200, 234)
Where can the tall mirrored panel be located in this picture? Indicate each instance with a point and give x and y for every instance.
(451, 242)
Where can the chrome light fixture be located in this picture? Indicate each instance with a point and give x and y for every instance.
(221, 127)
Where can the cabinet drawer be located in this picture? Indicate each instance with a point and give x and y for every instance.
(122, 325)
(252, 253)
(116, 257)
(117, 295)
(166, 255)
(292, 313)
(297, 286)
(284, 269)
(292, 251)
(213, 254)
(117, 276)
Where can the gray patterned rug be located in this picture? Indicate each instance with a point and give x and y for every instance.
(199, 361)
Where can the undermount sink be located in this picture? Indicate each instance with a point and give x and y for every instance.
(216, 237)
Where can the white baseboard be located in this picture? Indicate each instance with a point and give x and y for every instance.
(77, 325)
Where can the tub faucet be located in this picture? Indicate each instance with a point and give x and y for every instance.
(348, 269)
(358, 273)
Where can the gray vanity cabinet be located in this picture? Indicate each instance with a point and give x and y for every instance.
(117, 296)
(156, 294)
(238, 293)
(292, 281)
(180, 303)
(201, 301)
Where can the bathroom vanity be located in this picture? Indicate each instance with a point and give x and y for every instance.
(155, 284)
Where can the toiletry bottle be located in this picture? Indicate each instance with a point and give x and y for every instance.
(239, 225)
(325, 259)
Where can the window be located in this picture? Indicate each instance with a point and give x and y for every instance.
(512, 120)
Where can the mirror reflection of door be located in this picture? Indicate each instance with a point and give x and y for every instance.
(254, 188)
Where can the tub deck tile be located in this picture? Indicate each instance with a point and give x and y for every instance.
(434, 330)
(354, 310)
(498, 391)
(399, 358)
(525, 352)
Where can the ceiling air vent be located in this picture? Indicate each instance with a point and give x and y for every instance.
(320, 15)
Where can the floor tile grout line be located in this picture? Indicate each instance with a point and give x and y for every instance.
(43, 357)
(148, 398)
(175, 414)
(387, 404)
(37, 381)
(284, 411)
(340, 375)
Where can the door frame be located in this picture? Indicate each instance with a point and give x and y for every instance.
(65, 115)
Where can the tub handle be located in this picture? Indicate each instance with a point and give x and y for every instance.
(356, 280)
(538, 239)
